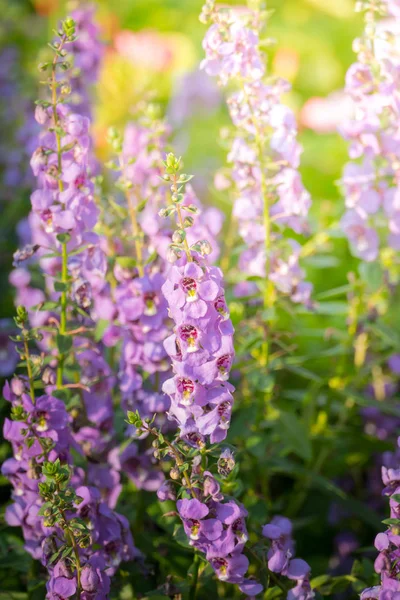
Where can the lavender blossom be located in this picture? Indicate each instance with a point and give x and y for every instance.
(388, 543)
(265, 154)
(281, 558)
(370, 181)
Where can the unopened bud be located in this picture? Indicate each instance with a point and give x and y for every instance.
(48, 376)
(188, 222)
(174, 473)
(173, 255)
(178, 236)
(17, 386)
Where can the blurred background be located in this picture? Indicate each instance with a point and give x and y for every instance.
(153, 49)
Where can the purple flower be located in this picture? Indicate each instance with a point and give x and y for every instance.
(201, 350)
(364, 239)
(280, 557)
(388, 542)
(265, 127)
(371, 185)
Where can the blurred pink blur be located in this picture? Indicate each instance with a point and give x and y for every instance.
(146, 48)
(324, 115)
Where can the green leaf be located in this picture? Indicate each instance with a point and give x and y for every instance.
(126, 262)
(44, 508)
(151, 258)
(50, 305)
(181, 537)
(316, 582)
(63, 238)
(323, 261)
(64, 343)
(141, 205)
(371, 273)
(61, 394)
(67, 551)
(295, 434)
(101, 326)
(302, 372)
(272, 593)
(332, 308)
(56, 555)
(339, 291)
(118, 209)
(364, 400)
(391, 522)
(60, 286)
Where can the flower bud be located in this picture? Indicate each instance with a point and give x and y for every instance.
(174, 473)
(166, 492)
(173, 255)
(48, 376)
(17, 386)
(226, 463)
(89, 579)
(178, 236)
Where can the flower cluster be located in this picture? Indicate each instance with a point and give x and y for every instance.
(63, 202)
(214, 526)
(81, 546)
(87, 51)
(201, 350)
(370, 180)
(41, 437)
(194, 94)
(280, 558)
(96, 538)
(63, 218)
(201, 346)
(388, 543)
(135, 306)
(217, 528)
(265, 153)
(37, 429)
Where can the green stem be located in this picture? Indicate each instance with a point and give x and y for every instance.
(71, 538)
(64, 253)
(135, 231)
(29, 369)
(193, 586)
(268, 293)
(177, 456)
(63, 315)
(134, 223)
(180, 219)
